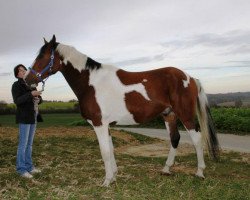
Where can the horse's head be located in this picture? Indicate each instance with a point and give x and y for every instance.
(46, 63)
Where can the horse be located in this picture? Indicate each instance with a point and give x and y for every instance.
(108, 95)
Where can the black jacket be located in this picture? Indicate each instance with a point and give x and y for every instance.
(25, 112)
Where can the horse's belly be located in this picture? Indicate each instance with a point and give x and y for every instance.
(118, 114)
(126, 120)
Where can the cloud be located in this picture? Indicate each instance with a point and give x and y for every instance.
(239, 39)
(140, 60)
(244, 62)
(217, 67)
(242, 49)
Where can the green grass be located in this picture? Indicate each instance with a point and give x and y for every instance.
(52, 105)
(73, 169)
(64, 119)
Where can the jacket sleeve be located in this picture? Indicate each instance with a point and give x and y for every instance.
(18, 97)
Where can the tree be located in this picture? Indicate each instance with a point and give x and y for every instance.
(3, 105)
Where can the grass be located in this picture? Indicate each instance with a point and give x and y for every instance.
(52, 105)
(50, 120)
(72, 169)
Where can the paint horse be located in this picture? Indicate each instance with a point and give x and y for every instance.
(108, 95)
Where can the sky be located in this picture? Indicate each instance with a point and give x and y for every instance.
(209, 40)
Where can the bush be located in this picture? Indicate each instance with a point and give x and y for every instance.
(232, 119)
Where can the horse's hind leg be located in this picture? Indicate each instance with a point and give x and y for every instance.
(197, 141)
(171, 126)
(112, 157)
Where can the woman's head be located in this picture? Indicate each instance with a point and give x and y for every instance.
(19, 71)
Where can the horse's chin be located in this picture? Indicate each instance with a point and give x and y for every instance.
(31, 85)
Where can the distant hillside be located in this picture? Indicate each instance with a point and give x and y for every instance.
(215, 99)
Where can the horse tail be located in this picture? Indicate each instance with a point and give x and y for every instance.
(206, 122)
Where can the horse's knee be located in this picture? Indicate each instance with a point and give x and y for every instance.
(175, 138)
(171, 125)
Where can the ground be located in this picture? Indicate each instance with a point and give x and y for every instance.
(73, 169)
(156, 148)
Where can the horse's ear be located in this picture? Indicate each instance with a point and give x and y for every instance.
(53, 40)
(45, 41)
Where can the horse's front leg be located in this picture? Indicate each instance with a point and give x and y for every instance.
(102, 133)
(112, 156)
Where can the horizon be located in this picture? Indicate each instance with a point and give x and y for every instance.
(208, 40)
(76, 100)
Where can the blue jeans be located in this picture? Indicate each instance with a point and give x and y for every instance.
(24, 151)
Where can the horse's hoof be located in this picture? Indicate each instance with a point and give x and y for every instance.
(106, 183)
(200, 175)
(166, 174)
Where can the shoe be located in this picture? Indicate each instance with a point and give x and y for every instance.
(27, 175)
(35, 171)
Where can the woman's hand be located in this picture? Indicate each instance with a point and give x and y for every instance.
(36, 93)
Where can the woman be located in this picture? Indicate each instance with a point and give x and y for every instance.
(26, 101)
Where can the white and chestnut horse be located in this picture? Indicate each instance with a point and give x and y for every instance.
(108, 95)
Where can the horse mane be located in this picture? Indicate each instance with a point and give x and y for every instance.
(78, 60)
(92, 64)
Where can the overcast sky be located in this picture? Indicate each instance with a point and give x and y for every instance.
(209, 40)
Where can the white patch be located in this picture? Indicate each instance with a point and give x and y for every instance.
(171, 156)
(186, 82)
(167, 127)
(170, 160)
(197, 141)
(112, 156)
(196, 137)
(90, 122)
(110, 95)
(76, 58)
(102, 134)
(144, 80)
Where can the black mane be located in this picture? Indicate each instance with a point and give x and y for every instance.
(92, 64)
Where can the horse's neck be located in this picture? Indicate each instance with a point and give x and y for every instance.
(78, 69)
(76, 80)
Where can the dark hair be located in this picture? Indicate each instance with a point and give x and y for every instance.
(16, 69)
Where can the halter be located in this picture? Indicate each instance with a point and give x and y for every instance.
(47, 68)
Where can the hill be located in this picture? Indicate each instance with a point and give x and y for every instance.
(229, 98)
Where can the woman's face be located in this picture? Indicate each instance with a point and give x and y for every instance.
(21, 72)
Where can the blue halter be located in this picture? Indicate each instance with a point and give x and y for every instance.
(47, 68)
